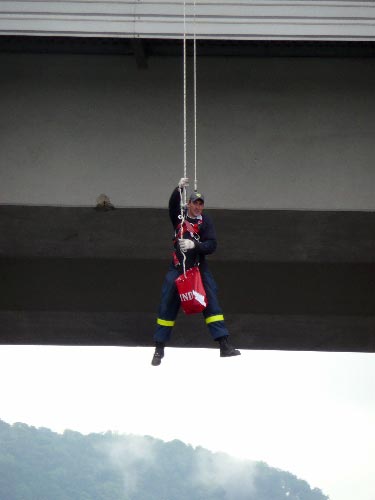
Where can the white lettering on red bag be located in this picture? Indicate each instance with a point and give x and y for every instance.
(200, 298)
(185, 297)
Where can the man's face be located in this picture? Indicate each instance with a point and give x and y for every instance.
(195, 208)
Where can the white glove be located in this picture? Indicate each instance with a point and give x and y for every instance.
(186, 245)
(184, 182)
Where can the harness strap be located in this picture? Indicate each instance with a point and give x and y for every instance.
(187, 227)
(183, 227)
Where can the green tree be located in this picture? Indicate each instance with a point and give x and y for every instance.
(38, 464)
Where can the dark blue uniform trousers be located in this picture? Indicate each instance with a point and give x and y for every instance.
(170, 304)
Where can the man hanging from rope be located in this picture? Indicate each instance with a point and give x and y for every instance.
(199, 240)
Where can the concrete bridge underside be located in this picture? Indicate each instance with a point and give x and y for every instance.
(291, 280)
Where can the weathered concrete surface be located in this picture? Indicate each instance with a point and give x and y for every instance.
(273, 132)
(287, 279)
(249, 331)
(243, 235)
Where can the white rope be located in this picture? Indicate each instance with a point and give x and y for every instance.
(185, 97)
(195, 105)
(184, 85)
(182, 217)
(183, 190)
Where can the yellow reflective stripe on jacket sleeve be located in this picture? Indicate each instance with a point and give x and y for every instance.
(212, 319)
(164, 322)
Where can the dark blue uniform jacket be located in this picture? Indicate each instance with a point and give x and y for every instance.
(204, 245)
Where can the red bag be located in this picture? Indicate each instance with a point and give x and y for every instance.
(191, 291)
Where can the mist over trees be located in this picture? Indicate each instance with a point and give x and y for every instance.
(38, 464)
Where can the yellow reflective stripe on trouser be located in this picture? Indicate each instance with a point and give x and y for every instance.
(165, 322)
(212, 319)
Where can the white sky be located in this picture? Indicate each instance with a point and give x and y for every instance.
(312, 414)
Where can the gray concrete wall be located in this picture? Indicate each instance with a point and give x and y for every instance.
(287, 279)
(272, 133)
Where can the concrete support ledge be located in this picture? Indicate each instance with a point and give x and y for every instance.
(248, 331)
(287, 280)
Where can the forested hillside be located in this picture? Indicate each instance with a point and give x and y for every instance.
(38, 464)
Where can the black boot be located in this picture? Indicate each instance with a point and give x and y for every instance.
(158, 354)
(226, 349)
